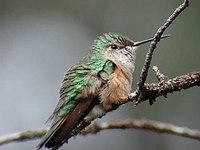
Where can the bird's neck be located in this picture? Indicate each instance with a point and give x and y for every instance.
(126, 65)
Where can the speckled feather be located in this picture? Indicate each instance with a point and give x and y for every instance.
(94, 76)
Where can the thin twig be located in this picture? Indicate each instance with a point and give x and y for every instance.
(151, 125)
(152, 46)
(120, 124)
(160, 76)
(24, 135)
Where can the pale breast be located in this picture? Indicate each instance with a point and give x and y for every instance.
(117, 87)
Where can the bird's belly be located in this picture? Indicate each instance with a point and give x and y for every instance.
(114, 90)
(117, 87)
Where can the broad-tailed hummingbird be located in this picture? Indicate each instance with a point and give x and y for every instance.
(102, 78)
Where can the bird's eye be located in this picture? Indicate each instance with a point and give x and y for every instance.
(113, 46)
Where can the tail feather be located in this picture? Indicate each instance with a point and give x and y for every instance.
(50, 133)
(56, 136)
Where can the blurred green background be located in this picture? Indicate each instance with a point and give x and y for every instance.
(40, 39)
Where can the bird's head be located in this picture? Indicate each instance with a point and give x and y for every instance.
(119, 49)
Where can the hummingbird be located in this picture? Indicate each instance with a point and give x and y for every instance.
(97, 82)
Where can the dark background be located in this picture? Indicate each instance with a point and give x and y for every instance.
(40, 39)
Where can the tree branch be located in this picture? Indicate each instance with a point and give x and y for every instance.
(24, 135)
(164, 86)
(152, 46)
(146, 124)
(120, 124)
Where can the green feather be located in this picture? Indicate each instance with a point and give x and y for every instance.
(74, 82)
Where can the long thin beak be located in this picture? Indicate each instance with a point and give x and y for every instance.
(149, 40)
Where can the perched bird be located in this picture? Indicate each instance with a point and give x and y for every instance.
(98, 81)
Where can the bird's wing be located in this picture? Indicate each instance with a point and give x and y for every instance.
(77, 97)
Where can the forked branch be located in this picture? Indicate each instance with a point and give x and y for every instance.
(152, 46)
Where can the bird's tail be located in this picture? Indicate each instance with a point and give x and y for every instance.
(58, 134)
